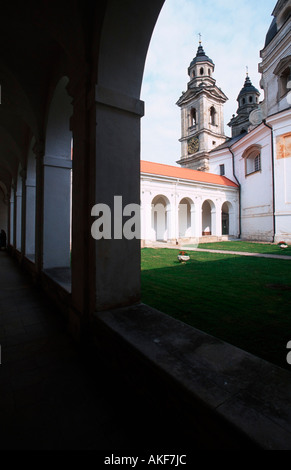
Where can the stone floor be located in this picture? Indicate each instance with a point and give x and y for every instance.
(51, 396)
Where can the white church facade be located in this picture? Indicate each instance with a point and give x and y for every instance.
(237, 187)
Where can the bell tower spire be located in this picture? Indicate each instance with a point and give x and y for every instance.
(248, 101)
(201, 113)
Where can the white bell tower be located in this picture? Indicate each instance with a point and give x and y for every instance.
(202, 118)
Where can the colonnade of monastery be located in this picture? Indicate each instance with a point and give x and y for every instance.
(175, 209)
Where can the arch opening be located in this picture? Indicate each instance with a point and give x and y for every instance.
(160, 218)
(212, 116)
(185, 223)
(30, 190)
(57, 186)
(225, 219)
(18, 225)
(208, 219)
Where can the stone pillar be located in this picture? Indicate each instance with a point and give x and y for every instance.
(12, 217)
(19, 214)
(171, 223)
(215, 222)
(197, 218)
(177, 221)
(142, 224)
(23, 212)
(153, 222)
(57, 209)
(57, 166)
(83, 128)
(193, 222)
(30, 217)
(117, 174)
(38, 150)
(147, 217)
(217, 216)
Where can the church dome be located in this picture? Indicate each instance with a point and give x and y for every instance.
(248, 88)
(201, 57)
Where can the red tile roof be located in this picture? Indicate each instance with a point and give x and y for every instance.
(160, 169)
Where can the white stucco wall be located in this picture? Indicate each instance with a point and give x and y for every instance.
(282, 164)
(222, 157)
(256, 188)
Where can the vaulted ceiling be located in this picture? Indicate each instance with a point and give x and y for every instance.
(40, 42)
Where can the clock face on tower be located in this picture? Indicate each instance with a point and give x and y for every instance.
(193, 145)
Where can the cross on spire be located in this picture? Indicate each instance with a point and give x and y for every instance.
(200, 37)
(247, 69)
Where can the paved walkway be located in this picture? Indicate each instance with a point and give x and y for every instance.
(223, 252)
(242, 253)
(51, 397)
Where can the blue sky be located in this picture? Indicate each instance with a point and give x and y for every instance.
(233, 33)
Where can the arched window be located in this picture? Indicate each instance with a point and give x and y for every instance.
(202, 71)
(252, 158)
(209, 72)
(193, 117)
(212, 116)
(250, 99)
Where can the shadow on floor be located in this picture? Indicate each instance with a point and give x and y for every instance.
(55, 395)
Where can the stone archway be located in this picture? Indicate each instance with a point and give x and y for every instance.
(225, 219)
(18, 206)
(57, 181)
(184, 218)
(30, 202)
(208, 218)
(117, 150)
(160, 218)
(228, 222)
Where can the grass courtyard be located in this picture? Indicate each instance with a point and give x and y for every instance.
(245, 301)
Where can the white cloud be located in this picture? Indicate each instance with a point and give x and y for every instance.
(233, 33)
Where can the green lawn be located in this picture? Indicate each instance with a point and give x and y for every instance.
(245, 301)
(251, 247)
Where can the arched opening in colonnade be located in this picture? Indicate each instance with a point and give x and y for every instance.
(185, 222)
(30, 196)
(227, 219)
(160, 217)
(208, 218)
(18, 203)
(57, 187)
